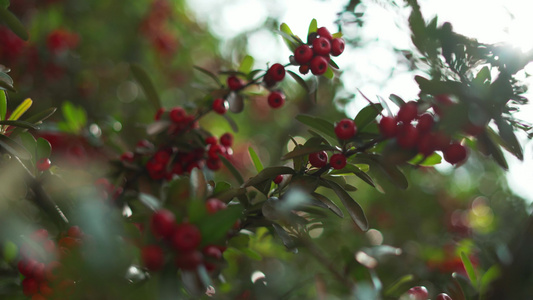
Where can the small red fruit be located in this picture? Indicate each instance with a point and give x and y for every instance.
(152, 257)
(345, 129)
(220, 106)
(276, 99)
(186, 237)
(321, 46)
(407, 136)
(303, 54)
(127, 156)
(337, 46)
(441, 140)
(162, 223)
(30, 286)
(226, 139)
(443, 102)
(425, 123)
(318, 159)
(45, 290)
(276, 72)
(189, 260)
(39, 235)
(407, 112)
(318, 65)
(425, 144)
(324, 32)
(211, 140)
(213, 205)
(304, 69)
(159, 113)
(234, 83)
(388, 127)
(418, 293)
(75, 232)
(43, 164)
(337, 161)
(25, 266)
(278, 179)
(178, 115)
(213, 164)
(443, 296)
(455, 153)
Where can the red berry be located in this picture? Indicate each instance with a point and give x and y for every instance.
(39, 235)
(407, 112)
(189, 260)
(337, 46)
(152, 257)
(159, 113)
(443, 102)
(39, 272)
(278, 179)
(127, 156)
(212, 251)
(443, 296)
(321, 46)
(25, 266)
(455, 153)
(318, 159)
(213, 205)
(162, 223)
(407, 136)
(75, 232)
(30, 286)
(68, 242)
(304, 69)
(43, 164)
(45, 290)
(425, 144)
(324, 32)
(178, 115)
(303, 54)
(215, 150)
(441, 140)
(226, 139)
(425, 123)
(186, 237)
(318, 65)
(418, 293)
(388, 127)
(220, 106)
(211, 140)
(277, 72)
(49, 246)
(276, 99)
(213, 164)
(234, 83)
(345, 129)
(337, 161)
(162, 157)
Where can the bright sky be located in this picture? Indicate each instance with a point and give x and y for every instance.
(373, 67)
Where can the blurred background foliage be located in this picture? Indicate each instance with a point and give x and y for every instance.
(80, 51)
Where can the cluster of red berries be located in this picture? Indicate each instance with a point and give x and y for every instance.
(183, 240)
(155, 28)
(424, 136)
(421, 293)
(42, 271)
(315, 55)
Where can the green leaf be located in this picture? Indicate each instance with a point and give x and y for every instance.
(299, 80)
(286, 239)
(319, 124)
(492, 274)
(396, 100)
(198, 184)
(220, 187)
(217, 226)
(4, 3)
(3, 105)
(482, 76)
(508, 136)
(228, 195)
(44, 149)
(6, 82)
(397, 288)
(41, 116)
(487, 145)
(13, 23)
(470, 271)
(337, 35)
(333, 64)
(354, 209)
(285, 28)
(21, 109)
(231, 123)
(433, 159)
(268, 174)
(255, 159)
(232, 169)
(150, 201)
(75, 116)
(312, 27)
(367, 115)
(246, 64)
(209, 74)
(147, 85)
(305, 150)
(392, 172)
(330, 204)
(22, 124)
(14, 148)
(329, 73)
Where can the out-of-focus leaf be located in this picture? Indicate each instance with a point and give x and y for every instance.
(433, 159)
(353, 208)
(229, 194)
(246, 64)
(299, 80)
(147, 85)
(22, 124)
(157, 127)
(41, 116)
(337, 35)
(286, 239)
(487, 146)
(198, 184)
(304, 150)
(333, 64)
(482, 76)
(397, 100)
(488, 277)
(290, 40)
(44, 149)
(4, 3)
(255, 159)
(470, 271)
(232, 169)
(75, 116)
(236, 103)
(511, 142)
(268, 174)
(6, 82)
(14, 148)
(319, 124)
(367, 115)
(218, 225)
(397, 288)
(231, 123)
(3, 105)
(13, 23)
(312, 27)
(21, 109)
(330, 204)
(150, 201)
(394, 174)
(209, 74)
(329, 73)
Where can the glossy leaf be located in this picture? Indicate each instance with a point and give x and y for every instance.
(255, 159)
(150, 201)
(329, 204)
(397, 100)
(354, 209)
(4, 4)
(319, 124)
(232, 169)
(367, 115)
(6, 82)
(44, 149)
(147, 85)
(13, 23)
(286, 239)
(394, 174)
(299, 80)
(3, 105)
(312, 27)
(14, 148)
(246, 64)
(507, 135)
(41, 116)
(21, 109)
(22, 124)
(268, 174)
